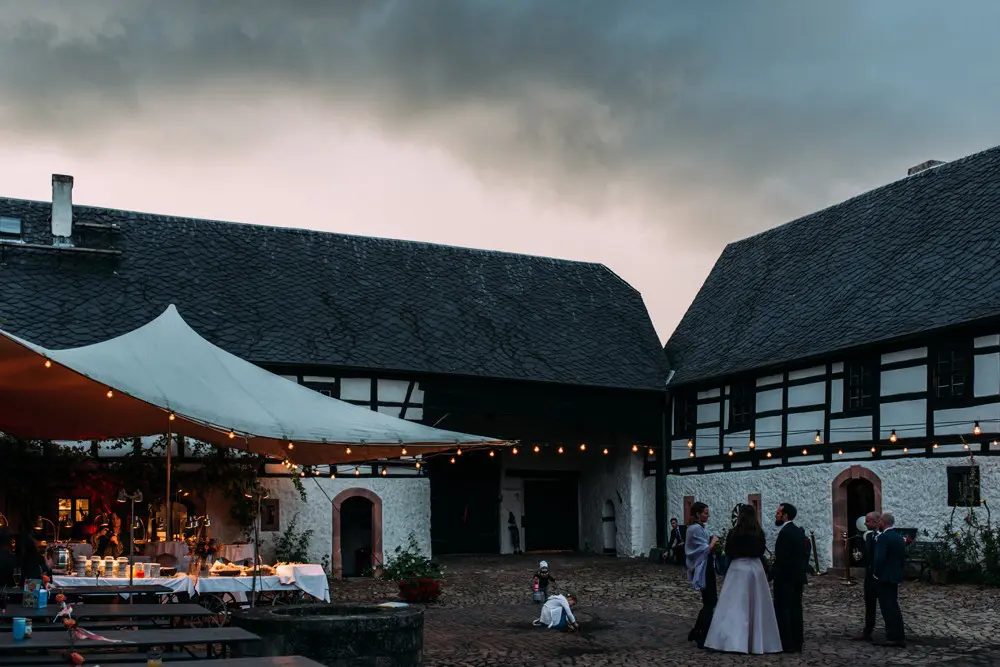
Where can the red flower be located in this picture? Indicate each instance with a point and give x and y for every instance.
(60, 597)
(69, 623)
(76, 658)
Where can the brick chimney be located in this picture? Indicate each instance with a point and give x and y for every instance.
(62, 210)
(923, 166)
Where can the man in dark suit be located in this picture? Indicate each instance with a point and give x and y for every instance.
(890, 559)
(675, 547)
(873, 523)
(791, 562)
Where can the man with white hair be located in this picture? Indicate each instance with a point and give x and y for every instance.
(890, 559)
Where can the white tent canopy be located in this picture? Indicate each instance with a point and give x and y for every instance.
(164, 376)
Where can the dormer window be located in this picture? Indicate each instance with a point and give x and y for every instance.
(10, 229)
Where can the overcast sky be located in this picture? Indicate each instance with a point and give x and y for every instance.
(641, 134)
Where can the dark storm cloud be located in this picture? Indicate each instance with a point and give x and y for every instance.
(728, 114)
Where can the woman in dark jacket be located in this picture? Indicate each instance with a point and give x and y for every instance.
(31, 560)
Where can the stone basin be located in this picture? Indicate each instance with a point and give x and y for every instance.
(339, 635)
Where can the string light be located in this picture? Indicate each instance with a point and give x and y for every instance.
(560, 450)
(453, 459)
(583, 447)
(730, 452)
(291, 445)
(976, 430)
(892, 436)
(172, 416)
(804, 451)
(232, 434)
(690, 444)
(403, 452)
(492, 454)
(514, 451)
(605, 452)
(348, 451)
(753, 445)
(302, 474)
(110, 393)
(769, 455)
(966, 446)
(333, 473)
(906, 449)
(459, 451)
(418, 465)
(48, 363)
(651, 452)
(873, 450)
(537, 449)
(935, 445)
(840, 452)
(818, 438)
(356, 471)
(690, 455)
(635, 448)
(384, 471)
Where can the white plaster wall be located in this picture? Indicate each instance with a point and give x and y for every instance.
(914, 489)
(406, 507)
(618, 478)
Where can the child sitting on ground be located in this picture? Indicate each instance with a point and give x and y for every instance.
(542, 579)
(557, 614)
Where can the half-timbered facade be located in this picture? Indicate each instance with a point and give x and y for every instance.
(848, 361)
(559, 355)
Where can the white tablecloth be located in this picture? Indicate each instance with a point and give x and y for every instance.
(237, 553)
(309, 579)
(179, 584)
(177, 549)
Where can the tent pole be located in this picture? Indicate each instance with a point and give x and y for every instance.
(168, 506)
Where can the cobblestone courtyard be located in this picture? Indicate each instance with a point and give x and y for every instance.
(636, 613)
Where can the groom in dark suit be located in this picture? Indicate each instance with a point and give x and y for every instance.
(890, 559)
(791, 562)
(872, 523)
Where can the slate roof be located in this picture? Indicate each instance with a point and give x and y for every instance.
(280, 296)
(913, 256)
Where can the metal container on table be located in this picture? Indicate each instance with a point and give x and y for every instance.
(62, 557)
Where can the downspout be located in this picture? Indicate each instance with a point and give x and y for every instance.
(661, 468)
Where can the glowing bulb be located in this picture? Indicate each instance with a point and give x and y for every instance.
(514, 451)
(651, 452)
(560, 450)
(492, 454)
(966, 445)
(753, 445)
(873, 450)
(348, 451)
(690, 444)
(232, 434)
(356, 471)
(906, 449)
(769, 455)
(537, 449)
(172, 416)
(291, 445)
(892, 436)
(384, 471)
(804, 452)
(605, 452)
(730, 452)
(635, 448)
(818, 438)
(690, 455)
(48, 363)
(583, 448)
(418, 465)
(333, 474)
(110, 393)
(976, 430)
(459, 451)
(935, 445)
(453, 459)
(403, 452)
(840, 452)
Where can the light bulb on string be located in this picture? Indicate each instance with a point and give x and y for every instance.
(347, 451)
(966, 446)
(384, 471)
(403, 452)
(906, 449)
(892, 436)
(48, 363)
(418, 465)
(172, 416)
(357, 472)
(291, 445)
(804, 451)
(605, 452)
(840, 452)
(935, 445)
(730, 452)
(690, 455)
(583, 447)
(690, 444)
(752, 445)
(492, 454)
(560, 450)
(976, 430)
(651, 452)
(769, 455)
(873, 450)
(818, 438)
(333, 473)
(537, 449)
(453, 459)
(459, 451)
(635, 448)
(232, 434)
(514, 451)
(110, 393)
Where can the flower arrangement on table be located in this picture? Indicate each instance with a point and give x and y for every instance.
(203, 547)
(75, 631)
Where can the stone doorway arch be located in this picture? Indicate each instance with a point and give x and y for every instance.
(376, 541)
(842, 484)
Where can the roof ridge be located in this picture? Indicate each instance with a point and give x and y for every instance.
(160, 217)
(930, 172)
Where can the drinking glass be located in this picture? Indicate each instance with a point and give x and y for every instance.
(154, 659)
(17, 577)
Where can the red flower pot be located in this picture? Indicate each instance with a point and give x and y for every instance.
(423, 589)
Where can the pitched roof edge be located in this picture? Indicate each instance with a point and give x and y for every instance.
(160, 217)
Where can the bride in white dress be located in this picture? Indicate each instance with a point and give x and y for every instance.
(744, 620)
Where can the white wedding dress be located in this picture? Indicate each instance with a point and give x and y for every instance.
(744, 620)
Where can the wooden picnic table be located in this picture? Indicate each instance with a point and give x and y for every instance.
(274, 661)
(113, 611)
(127, 639)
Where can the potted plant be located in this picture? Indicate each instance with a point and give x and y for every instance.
(418, 577)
